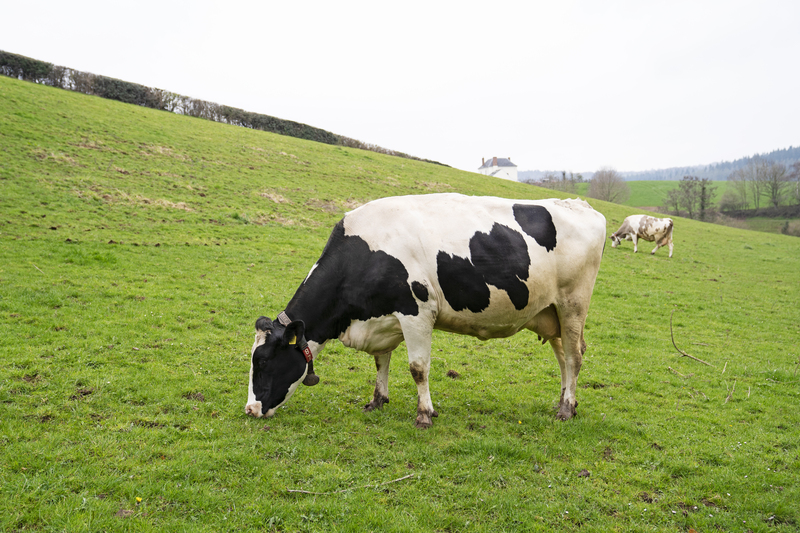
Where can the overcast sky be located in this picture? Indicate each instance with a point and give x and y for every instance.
(554, 85)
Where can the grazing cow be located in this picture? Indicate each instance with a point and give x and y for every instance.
(645, 227)
(397, 268)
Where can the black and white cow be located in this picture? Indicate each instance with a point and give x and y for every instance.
(645, 227)
(397, 268)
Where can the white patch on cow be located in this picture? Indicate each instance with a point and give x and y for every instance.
(313, 268)
(373, 336)
(252, 407)
(576, 204)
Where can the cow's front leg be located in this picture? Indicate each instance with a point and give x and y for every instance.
(635, 240)
(381, 394)
(425, 410)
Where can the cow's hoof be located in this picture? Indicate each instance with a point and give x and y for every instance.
(376, 403)
(424, 420)
(311, 380)
(566, 411)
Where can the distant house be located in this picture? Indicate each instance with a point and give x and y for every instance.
(499, 168)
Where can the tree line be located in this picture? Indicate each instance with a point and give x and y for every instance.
(606, 184)
(716, 171)
(33, 70)
(762, 179)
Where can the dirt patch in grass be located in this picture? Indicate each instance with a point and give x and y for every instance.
(195, 396)
(82, 393)
(323, 205)
(277, 198)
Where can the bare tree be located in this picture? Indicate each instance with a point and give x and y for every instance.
(794, 181)
(694, 195)
(565, 183)
(776, 181)
(607, 184)
(761, 177)
(756, 175)
(689, 194)
(672, 201)
(739, 180)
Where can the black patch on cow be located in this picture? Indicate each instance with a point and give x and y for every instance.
(350, 282)
(537, 222)
(499, 258)
(420, 291)
(463, 286)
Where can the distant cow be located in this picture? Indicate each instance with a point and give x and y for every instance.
(397, 268)
(645, 227)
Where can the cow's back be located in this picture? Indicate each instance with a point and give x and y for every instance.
(486, 260)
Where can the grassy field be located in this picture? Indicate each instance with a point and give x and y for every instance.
(137, 248)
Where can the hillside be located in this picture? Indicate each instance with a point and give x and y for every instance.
(29, 69)
(138, 247)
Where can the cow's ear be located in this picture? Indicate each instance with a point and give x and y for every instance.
(263, 324)
(293, 332)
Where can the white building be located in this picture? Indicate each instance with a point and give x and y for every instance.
(499, 168)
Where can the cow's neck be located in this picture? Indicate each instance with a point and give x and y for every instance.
(317, 311)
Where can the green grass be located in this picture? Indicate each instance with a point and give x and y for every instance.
(137, 249)
(652, 193)
(649, 193)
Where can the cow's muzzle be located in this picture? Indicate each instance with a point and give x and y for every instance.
(254, 409)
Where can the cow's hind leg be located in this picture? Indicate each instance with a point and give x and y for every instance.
(569, 350)
(381, 394)
(555, 344)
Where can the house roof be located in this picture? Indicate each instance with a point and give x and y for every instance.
(501, 162)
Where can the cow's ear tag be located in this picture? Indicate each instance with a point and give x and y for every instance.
(294, 340)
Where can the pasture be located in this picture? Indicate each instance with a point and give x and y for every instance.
(137, 248)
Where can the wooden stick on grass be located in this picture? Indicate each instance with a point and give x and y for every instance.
(730, 394)
(676, 346)
(681, 375)
(351, 488)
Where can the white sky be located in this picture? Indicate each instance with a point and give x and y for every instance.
(555, 85)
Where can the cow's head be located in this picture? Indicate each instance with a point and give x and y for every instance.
(614, 240)
(278, 366)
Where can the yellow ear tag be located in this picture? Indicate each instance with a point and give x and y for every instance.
(294, 340)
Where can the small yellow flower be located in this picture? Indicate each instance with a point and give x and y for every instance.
(138, 500)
